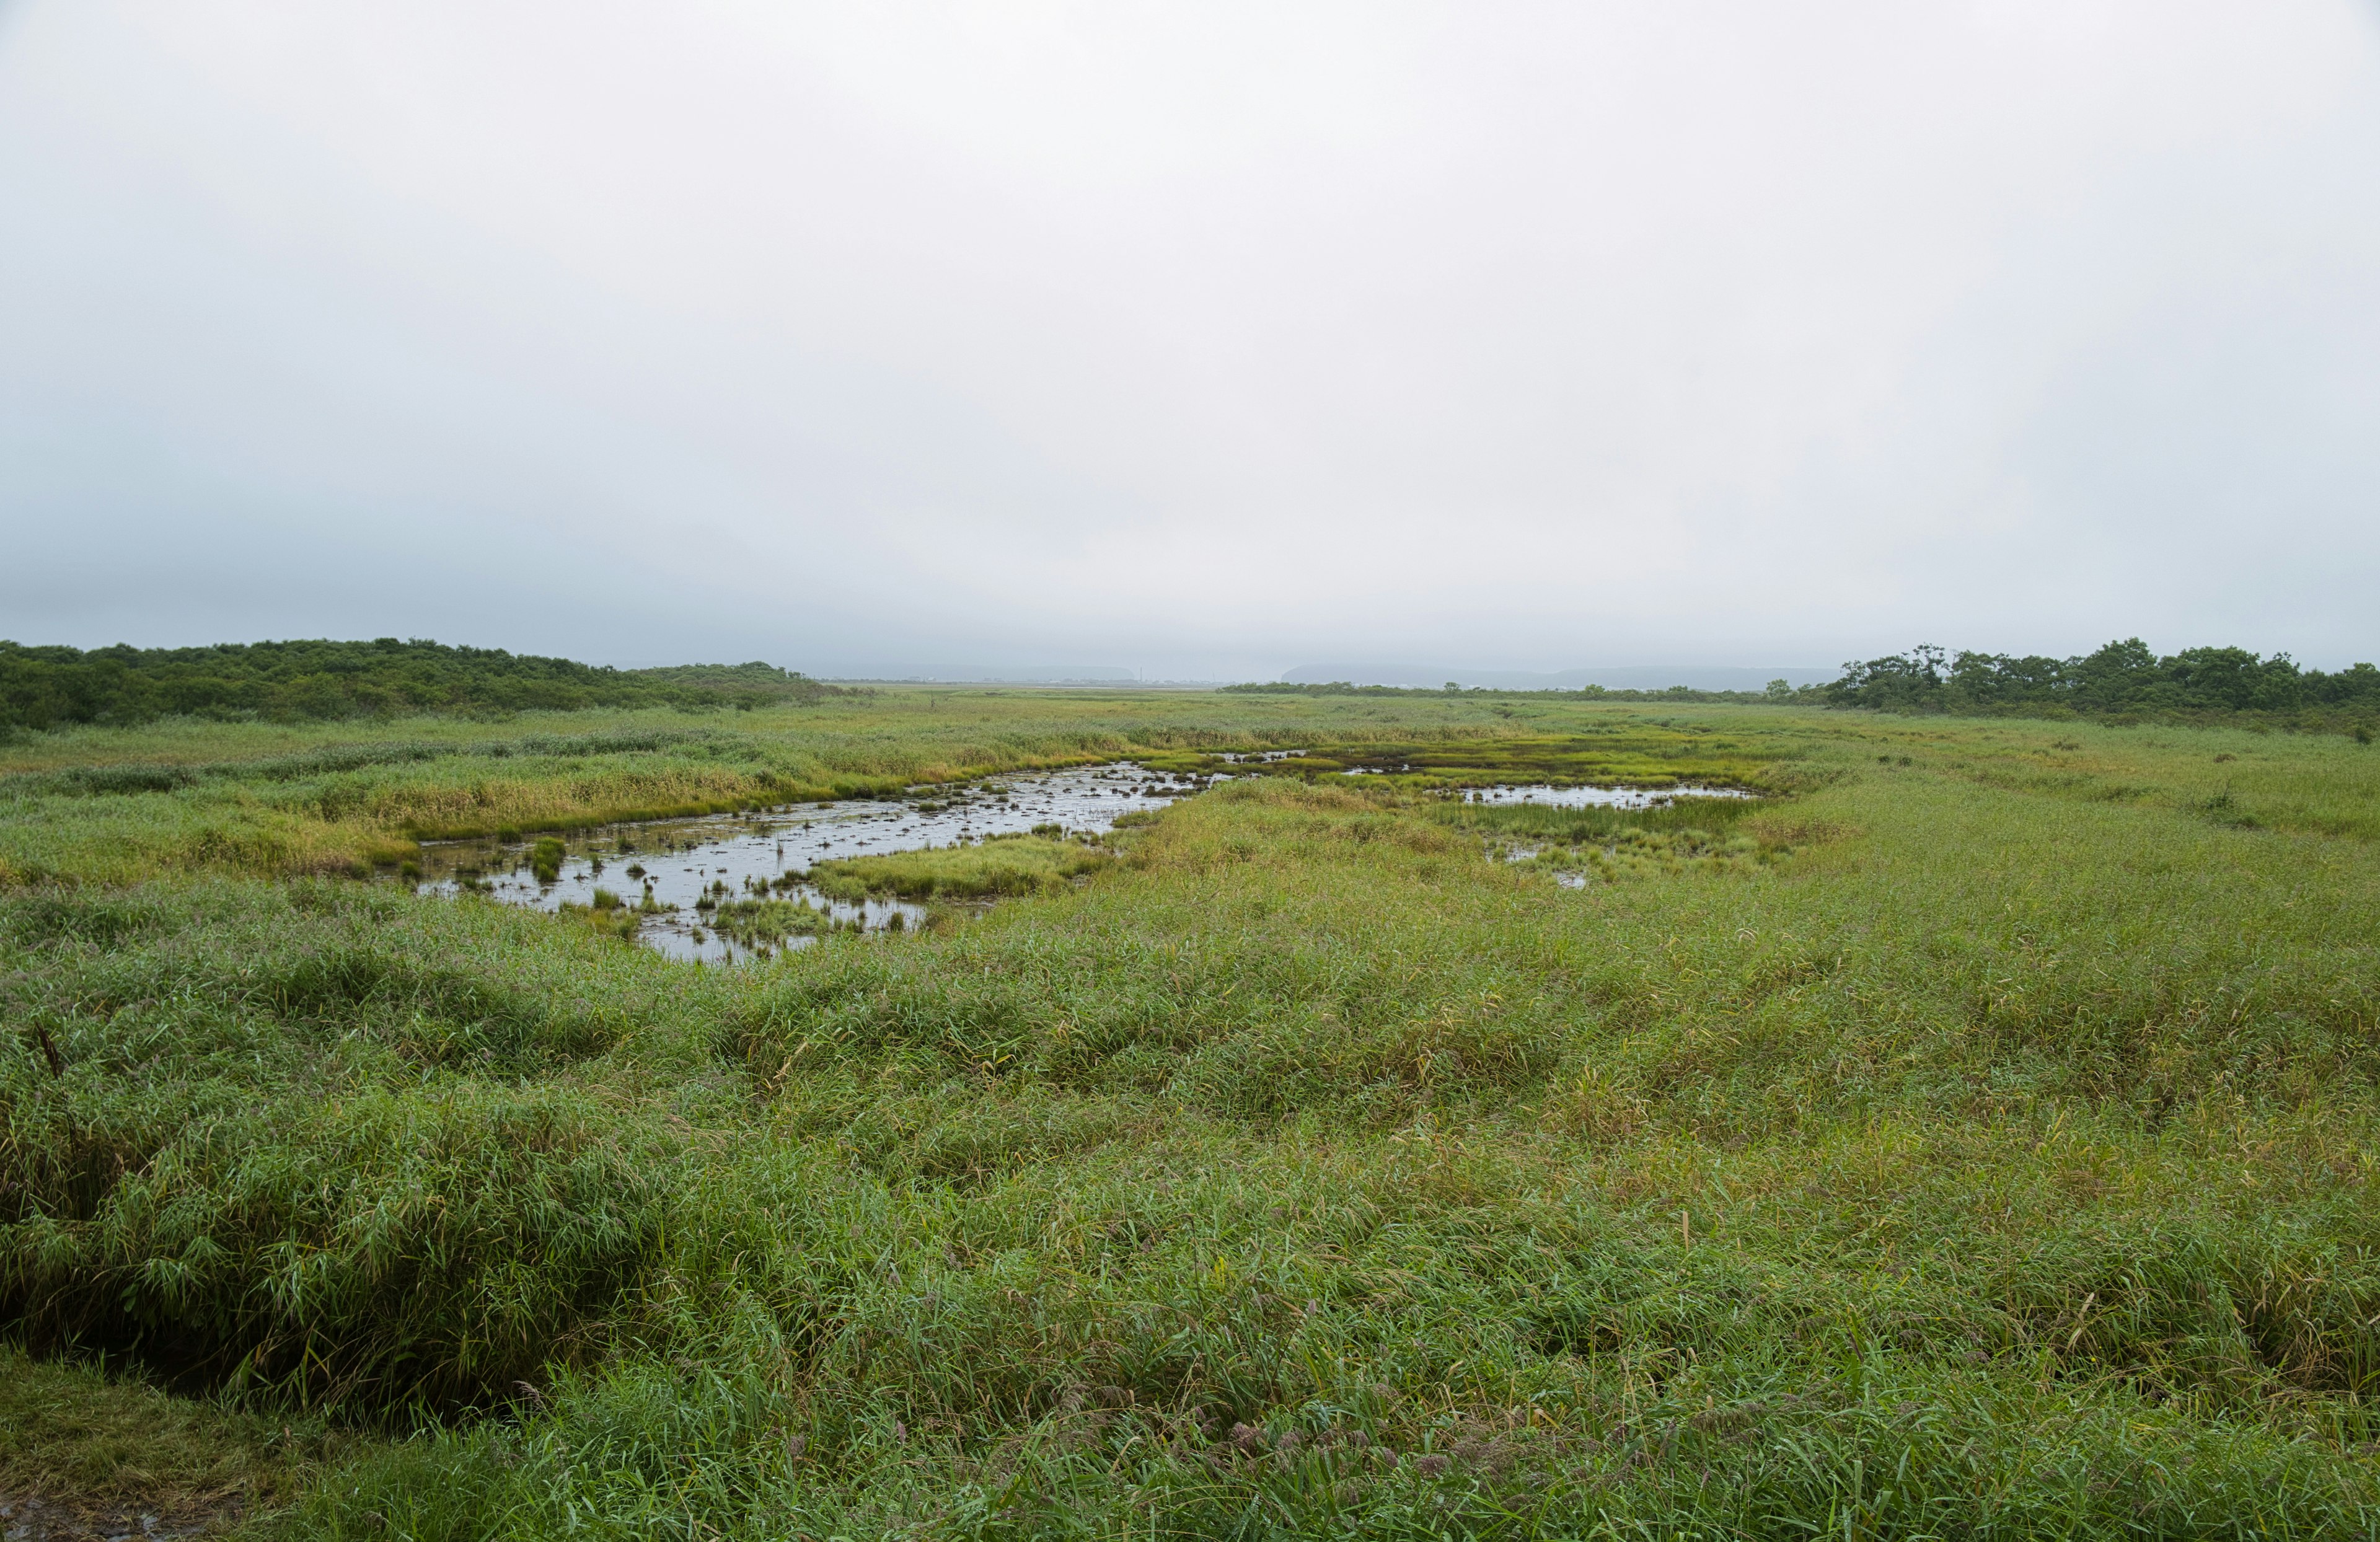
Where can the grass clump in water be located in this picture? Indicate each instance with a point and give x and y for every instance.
(605, 914)
(759, 923)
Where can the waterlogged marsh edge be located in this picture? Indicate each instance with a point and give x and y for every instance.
(1306, 1165)
(734, 887)
(278, 799)
(737, 886)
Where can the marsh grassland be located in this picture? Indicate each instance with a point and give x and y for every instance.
(1972, 1137)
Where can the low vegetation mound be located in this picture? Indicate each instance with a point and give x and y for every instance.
(999, 866)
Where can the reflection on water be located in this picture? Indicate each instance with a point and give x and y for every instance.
(725, 857)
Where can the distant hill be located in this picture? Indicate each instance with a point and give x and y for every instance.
(52, 686)
(766, 680)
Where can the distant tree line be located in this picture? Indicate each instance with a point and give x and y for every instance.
(47, 687)
(2123, 679)
(1778, 690)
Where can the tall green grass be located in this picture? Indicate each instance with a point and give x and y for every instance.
(1993, 1160)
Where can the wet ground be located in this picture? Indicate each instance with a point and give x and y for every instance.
(32, 1519)
(1584, 797)
(666, 868)
(1594, 797)
(679, 862)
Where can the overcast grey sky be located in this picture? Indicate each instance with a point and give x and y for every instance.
(1206, 338)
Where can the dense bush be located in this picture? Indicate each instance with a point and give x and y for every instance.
(47, 687)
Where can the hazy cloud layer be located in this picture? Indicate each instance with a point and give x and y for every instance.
(1201, 339)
